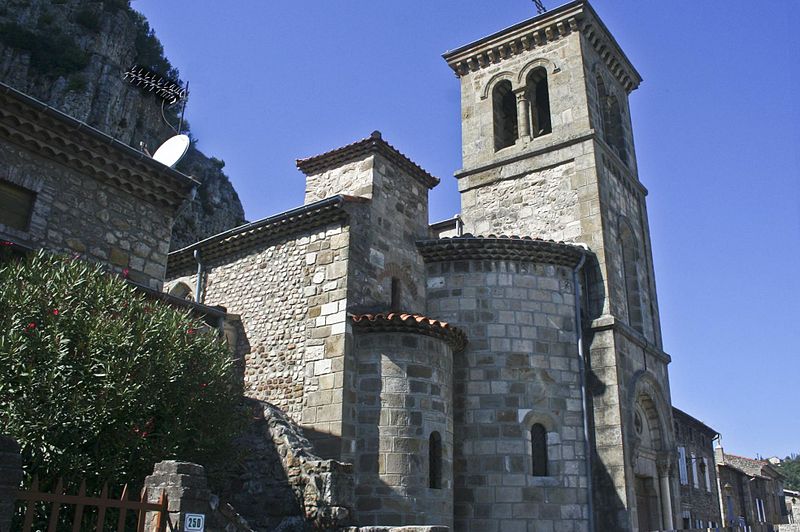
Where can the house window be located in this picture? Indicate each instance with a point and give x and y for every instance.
(703, 476)
(707, 475)
(538, 96)
(729, 506)
(504, 107)
(695, 476)
(435, 461)
(682, 465)
(16, 205)
(539, 450)
(762, 515)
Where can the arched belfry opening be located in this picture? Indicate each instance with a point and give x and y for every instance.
(538, 96)
(504, 111)
(613, 132)
(630, 274)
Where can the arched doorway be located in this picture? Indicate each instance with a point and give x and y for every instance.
(652, 459)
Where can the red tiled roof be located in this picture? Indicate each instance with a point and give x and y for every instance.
(748, 466)
(372, 144)
(401, 321)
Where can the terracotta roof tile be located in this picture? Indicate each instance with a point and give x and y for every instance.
(402, 321)
(502, 247)
(372, 144)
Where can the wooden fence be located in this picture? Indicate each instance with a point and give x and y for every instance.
(57, 499)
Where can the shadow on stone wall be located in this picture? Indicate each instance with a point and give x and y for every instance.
(609, 508)
(276, 482)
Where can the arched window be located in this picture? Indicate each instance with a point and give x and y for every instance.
(613, 132)
(539, 450)
(538, 96)
(630, 274)
(504, 106)
(435, 461)
(182, 291)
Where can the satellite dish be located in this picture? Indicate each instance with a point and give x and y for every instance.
(172, 150)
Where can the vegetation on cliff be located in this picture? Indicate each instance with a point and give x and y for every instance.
(72, 54)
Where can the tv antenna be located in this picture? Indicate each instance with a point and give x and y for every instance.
(539, 7)
(171, 93)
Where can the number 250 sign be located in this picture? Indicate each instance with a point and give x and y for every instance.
(194, 523)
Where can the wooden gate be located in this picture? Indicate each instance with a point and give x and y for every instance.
(58, 498)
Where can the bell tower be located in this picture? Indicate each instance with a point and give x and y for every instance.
(548, 152)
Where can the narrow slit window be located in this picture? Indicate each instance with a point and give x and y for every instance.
(395, 302)
(539, 450)
(435, 461)
(16, 205)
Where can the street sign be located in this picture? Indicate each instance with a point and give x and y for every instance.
(194, 523)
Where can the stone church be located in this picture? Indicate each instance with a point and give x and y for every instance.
(500, 371)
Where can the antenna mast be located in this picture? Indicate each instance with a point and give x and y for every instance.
(539, 7)
(170, 92)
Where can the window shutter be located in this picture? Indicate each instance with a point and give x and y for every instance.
(682, 465)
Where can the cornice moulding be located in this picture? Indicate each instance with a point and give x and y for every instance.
(48, 132)
(576, 16)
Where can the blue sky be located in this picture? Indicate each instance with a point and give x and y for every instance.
(716, 132)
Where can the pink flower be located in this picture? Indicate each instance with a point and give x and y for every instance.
(125, 273)
(55, 312)
(203, 384)
(190, 331)
(6, 243)
(30, 326)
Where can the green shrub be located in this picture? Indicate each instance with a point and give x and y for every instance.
(149, 50)
(89, 18)
(99, 382)
(77, 83)
(52, 53)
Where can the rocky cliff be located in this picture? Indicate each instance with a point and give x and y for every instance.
(72, 55)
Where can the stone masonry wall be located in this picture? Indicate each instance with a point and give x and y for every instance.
(382, 248)
(75, 213)
(291, 296)
(521, 367)
(568, 108)
(699, 499)
(404, 388)
(540, 203)
(352, 179)
(624, 205)
(384, 243)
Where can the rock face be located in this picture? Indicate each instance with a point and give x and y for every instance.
(72, 55)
